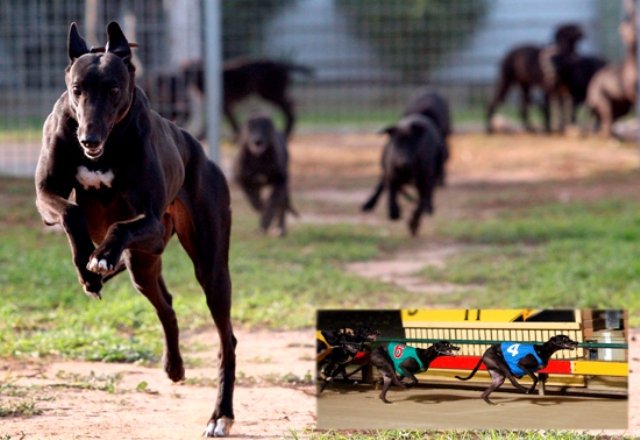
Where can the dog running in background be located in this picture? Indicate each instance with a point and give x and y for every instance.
(515, 359)
(529, 66)
(181, 94)
(263, 161)
(414, 155)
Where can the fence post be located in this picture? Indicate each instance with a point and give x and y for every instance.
(637, 30)
(213, 75)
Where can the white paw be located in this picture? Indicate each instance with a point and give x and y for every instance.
(99, 266)
(219, 428)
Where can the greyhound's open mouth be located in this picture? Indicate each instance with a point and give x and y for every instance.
(450, 351)
(93, 153)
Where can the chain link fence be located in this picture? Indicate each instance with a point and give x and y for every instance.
(368, 57)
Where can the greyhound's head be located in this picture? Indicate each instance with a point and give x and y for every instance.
(100, 85)
(562, 342)
(258, 134)
(405, 138)
(366, 333)
(567, 36)
(444, 348)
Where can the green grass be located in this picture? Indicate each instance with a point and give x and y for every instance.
(548, 255)
(450, 435)
(554, 255)
(277, 283)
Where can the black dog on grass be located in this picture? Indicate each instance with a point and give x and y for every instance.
(263, 161)
(431, 104)
(114, 173)
(413, 155)
(396, 358)
(515, 359)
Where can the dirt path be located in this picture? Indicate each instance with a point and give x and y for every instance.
(76, 403)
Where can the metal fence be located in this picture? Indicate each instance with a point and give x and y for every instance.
(368, 57)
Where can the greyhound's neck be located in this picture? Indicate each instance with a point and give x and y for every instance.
(545, 350)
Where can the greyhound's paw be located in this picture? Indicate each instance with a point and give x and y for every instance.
(100, 266)
(94, 295)
(91, 284)
(219, 428)
(413, 228)
(174, 369)
(368, 206)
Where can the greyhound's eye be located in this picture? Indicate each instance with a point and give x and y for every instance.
(114, 91)
(76, 90)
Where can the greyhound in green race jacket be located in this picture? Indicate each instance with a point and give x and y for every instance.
(404, 360)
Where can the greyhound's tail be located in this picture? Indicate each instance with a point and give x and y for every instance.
(473, 372)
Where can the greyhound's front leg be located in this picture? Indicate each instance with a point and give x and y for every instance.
(394, 208)
(143, 233)
(277, 203)
(58, 210)
(532, 376)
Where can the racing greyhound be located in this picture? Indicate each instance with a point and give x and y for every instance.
(395, 357)
(515, 359)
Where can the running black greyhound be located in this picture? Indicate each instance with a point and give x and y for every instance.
(121, 180)
(515, 359)
(404, 360)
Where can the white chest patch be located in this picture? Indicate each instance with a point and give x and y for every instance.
(93, 179)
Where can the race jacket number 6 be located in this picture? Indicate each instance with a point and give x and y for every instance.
(397, 352)
(513, 350)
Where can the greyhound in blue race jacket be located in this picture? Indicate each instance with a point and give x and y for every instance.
(515, 359)
(404, 360)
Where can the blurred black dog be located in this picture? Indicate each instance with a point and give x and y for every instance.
(174, 93)
(515, 359)
(529, 66)
(431, 104)
(263, 160)
(413, 155)
(404, 360)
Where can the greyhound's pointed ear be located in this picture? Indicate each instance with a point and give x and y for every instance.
(75, 43)
(117, 43)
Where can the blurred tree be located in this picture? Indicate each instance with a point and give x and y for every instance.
(243, 23)
(413, 35)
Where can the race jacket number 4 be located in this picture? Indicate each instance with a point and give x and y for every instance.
(513, 352)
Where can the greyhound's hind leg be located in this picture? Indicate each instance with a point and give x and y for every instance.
(497, 379)
(146, 275)
(387, 380)
(203, 229)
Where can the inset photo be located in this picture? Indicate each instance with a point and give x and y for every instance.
(472, 369)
